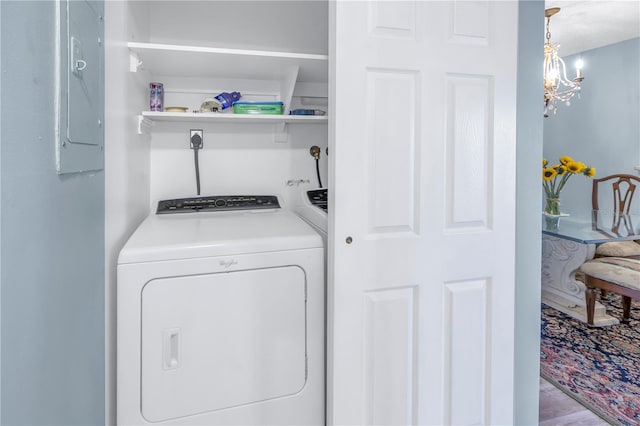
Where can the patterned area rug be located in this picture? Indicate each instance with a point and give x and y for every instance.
(597, 366)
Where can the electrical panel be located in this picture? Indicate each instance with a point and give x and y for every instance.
(80, 87)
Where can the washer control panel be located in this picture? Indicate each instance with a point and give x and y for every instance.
(218, 203)
(318, 198)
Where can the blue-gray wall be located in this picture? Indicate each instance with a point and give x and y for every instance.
(0, 218)
(528, 244)
(602, 129)
(52, 245)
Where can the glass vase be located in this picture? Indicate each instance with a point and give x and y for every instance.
(552, 206)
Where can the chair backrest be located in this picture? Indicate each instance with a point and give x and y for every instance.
(623, 187)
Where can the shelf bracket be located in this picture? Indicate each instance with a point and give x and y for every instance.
(143, 125)
(135, 64)
(287, 85)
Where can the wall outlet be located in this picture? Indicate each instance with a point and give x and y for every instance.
(196, 140)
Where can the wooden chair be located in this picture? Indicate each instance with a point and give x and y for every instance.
(623, 187)
(620, 275)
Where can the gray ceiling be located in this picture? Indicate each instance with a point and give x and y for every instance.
(584, 25)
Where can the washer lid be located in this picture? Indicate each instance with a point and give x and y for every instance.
(193, 235)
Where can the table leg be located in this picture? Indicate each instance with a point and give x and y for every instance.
(561, 259)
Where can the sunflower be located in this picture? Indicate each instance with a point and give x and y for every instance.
(544, 162)
(565, 159)
(548, 174)
(576, 167)
(589, 172)
(560, 169)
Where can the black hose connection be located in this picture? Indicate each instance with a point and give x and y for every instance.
(315, 153)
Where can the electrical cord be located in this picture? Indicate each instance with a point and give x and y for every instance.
(195, 157)
(318, 171)
(196, 145)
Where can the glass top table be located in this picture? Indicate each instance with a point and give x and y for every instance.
(593, 227)
(570, 240)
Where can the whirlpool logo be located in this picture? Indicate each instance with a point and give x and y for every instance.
(227, 263)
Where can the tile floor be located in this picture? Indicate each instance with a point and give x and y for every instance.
(559, 409)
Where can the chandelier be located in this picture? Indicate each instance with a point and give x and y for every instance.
(557, 87)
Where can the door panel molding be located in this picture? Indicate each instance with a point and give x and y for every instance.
(390, 344)
(466, 346)
(392, 172)
(469, 136)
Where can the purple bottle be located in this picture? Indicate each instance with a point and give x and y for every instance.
(227, 99)
(156, 97)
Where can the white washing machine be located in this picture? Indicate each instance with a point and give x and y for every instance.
(220, 316)
(312, 206)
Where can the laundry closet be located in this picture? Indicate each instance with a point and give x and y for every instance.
(420, 113)
(266, 52)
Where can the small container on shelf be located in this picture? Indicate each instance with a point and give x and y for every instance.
(304, 111)
(258, 107)
(176, 109)
(156, 97)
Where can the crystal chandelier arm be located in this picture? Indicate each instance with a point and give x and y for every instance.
(564, 79)
(557, 86)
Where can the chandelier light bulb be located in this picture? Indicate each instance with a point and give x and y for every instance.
(579, 66)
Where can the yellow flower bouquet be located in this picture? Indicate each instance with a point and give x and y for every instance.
(555, 177)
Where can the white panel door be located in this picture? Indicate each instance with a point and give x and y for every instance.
(422, 231)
